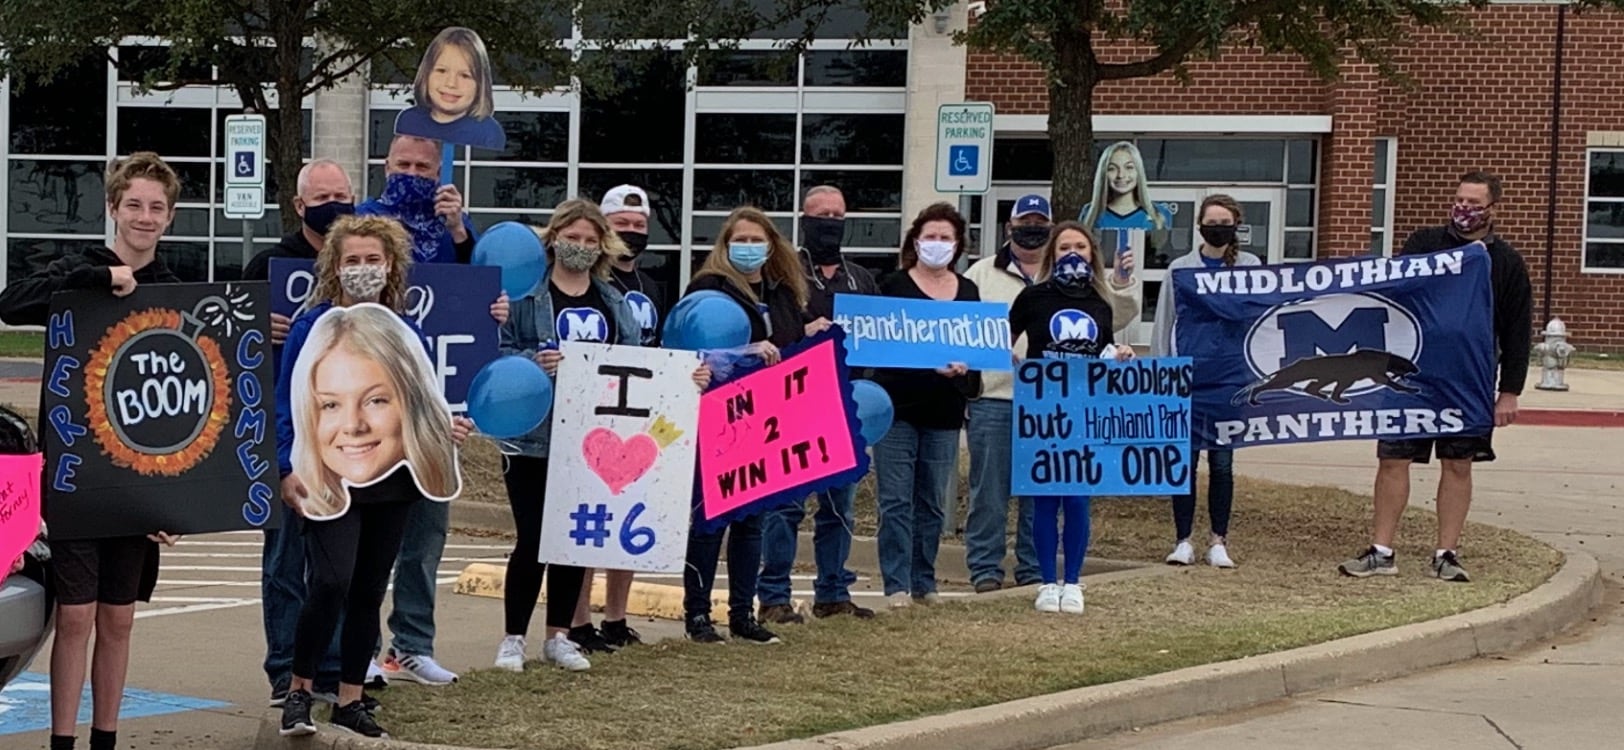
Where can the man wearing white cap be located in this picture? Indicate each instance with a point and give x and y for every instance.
(627, 208)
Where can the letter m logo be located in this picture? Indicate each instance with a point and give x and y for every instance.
(1307, 334)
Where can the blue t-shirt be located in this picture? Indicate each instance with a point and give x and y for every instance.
(463, 131)
(1209, 262)
(1139, 219)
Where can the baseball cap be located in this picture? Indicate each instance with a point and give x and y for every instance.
(631, 198)
(1031, 203)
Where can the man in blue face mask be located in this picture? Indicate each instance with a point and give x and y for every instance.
(432, 213)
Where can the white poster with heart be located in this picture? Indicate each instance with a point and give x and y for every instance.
(620, 472)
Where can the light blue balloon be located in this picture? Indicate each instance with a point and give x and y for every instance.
(874, 410)
(514, 248)
(706, 320)
(510, 396)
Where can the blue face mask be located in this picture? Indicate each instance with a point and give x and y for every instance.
(410, 200)
(747, 256)
(1073, 270)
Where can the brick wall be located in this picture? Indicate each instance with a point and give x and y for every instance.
(1481, 102)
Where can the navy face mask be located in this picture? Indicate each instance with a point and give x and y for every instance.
(320, 218)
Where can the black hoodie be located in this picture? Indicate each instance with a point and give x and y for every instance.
(27, 302)
(785, 320)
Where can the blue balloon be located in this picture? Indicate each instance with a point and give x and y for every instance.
(516, 249)
(706, 320)
(874, 410)
(510, 397)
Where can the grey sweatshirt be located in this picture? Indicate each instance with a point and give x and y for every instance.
(1161, 332)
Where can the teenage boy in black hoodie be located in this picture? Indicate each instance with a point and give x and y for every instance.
(98, 581)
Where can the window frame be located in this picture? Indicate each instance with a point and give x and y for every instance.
(1584, 217)
(1389, 201)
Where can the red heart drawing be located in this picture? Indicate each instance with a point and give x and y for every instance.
(618, 462)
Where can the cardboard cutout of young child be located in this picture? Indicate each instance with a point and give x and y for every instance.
(366, 403)
(452, 92)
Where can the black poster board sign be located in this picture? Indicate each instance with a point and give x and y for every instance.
(157, 412)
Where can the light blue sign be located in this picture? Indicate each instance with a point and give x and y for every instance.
(923, 333)
(1101, 427)
(963, 160)
(25, 704)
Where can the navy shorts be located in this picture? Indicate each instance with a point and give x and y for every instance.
(1475, 448)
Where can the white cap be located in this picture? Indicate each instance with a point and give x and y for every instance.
(625, 199)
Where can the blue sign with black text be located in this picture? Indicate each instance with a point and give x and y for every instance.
(923, 333)
(1101, 427)
(1351, 349)
(450, 302)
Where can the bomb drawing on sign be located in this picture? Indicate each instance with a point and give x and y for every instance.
(452, 93)
(366, 407)
(158, 389)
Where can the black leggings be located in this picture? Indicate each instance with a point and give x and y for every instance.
(349, 559)
(526, 479)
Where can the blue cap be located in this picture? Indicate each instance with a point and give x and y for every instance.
(1030, 204)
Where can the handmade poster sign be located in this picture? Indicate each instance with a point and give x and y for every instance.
(1101, 427)
(452, 96)
(621, 467)
(782, 432)
(157, 412)
(1354, 349)
(450, 303)
(19, 505)
(367, 412)
(923, 334)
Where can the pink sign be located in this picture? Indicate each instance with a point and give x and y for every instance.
(19, 505)
(774, 430)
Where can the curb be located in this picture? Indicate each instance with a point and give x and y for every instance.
(1075, 715)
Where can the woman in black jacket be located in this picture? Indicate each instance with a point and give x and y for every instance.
(757, 268)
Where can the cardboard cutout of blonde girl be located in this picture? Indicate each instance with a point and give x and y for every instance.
(1121, 196)
(366, 406)
(452, 94)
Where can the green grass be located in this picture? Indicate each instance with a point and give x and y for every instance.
(1592, 362)
(838, 675)
(22, 344)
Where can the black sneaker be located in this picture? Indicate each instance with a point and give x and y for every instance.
(370, 704)
(356, 719)
(749, 630)
(590, 640)
(700, 630)
(1447, 567)
(279, 694)
(619, 634)
(296, 715)
(988, 585)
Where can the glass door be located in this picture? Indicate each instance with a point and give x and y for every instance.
(1260, 233)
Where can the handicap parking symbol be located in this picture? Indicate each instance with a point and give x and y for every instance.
(244, 161)
(25, 704)
(963, 161)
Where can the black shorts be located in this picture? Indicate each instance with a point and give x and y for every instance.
(1475, 448)
(108, 571)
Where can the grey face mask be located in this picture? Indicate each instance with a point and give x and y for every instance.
(363, 283)
(575, 257)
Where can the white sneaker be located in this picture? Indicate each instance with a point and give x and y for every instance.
(510, 655)
(899, 600)
(1183, 553)
(1049, 597)
(562, 651)
(376, 679)
(417, 668)
(1071, 599)
(1218, 557)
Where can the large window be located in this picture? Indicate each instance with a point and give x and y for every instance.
(1381, 197)
(1604, 212)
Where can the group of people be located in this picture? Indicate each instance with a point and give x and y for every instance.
(325, 578)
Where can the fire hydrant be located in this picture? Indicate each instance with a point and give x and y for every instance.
(1553, 353)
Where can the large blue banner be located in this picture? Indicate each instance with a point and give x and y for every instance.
(923, 333)
(1101, 427)
(451, 303)
(1352, 349)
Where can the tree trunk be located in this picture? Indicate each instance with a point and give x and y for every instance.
(287, 132)
(1071, 121)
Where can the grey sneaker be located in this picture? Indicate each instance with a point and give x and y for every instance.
(1448, 568)
(1371, 563)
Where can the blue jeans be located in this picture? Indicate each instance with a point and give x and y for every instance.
(743, 564)
(282, 595)
(416, 572)
(913, 468)
(1220, 494)
(990, 439)
(831, 546)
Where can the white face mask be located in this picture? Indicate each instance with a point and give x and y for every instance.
(363, 283)
(935, 253)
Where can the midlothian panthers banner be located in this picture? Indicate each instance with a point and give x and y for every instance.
(1353, 349)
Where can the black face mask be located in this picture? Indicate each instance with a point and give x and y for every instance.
(320, 218)
(1029, 236)
(636, 242)
(821, 236)
(1218, 235)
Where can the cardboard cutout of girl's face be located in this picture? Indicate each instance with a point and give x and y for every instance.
(453, 94)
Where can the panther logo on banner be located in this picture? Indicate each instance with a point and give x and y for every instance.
(1357, 348)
